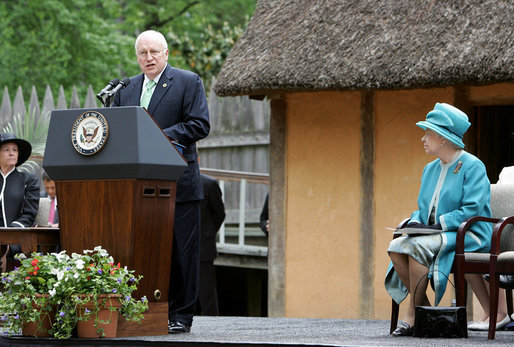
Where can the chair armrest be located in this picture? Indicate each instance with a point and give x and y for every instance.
(497, 234)
(463, 228)
(402, 225)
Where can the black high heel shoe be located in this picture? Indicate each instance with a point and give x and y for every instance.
(403, 329)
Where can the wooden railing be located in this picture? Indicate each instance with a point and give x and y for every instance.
(241, 247)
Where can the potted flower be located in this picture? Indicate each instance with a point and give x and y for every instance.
(25, 303)
(101, 288)
(75, 287)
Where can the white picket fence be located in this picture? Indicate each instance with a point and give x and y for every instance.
(10, 109)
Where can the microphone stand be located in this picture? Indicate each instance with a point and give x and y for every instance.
(99, 96)
(108, 100)
(122, 84)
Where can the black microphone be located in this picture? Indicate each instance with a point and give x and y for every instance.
(108, 87)
(123, 83)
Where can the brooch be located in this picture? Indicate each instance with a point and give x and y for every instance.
(457, 167)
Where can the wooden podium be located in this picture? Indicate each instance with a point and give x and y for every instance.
(116, 174)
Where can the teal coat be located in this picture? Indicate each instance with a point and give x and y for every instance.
(464, 192)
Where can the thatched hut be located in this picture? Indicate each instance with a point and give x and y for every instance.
(347, 80)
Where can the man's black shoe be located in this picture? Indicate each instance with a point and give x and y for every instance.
(176, 327)
(506, 281)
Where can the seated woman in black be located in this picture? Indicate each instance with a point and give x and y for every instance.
(19, 191)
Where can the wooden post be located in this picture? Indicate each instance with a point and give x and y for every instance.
(277, 210)
(367, 210)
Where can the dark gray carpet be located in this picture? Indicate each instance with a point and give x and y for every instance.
(248, 331)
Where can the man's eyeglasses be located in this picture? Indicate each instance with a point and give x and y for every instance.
(154, 53)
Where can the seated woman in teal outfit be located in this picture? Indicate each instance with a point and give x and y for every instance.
(454, 187)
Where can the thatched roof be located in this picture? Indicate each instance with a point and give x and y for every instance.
(314, 45)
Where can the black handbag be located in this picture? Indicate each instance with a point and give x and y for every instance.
(430, 321)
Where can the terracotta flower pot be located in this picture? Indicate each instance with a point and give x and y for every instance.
(36, 329)
(107, 319)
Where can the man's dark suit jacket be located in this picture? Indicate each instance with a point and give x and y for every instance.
(213, 215)
(179, 107)
(264, 217)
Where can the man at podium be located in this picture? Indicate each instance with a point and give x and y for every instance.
(176, 100)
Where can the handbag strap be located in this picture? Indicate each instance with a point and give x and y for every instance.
(426, 275)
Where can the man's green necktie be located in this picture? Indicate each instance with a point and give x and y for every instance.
(147, 95)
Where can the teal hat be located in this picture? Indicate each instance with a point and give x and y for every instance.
(448, 121)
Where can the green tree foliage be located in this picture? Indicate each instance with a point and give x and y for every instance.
(185, 16)
(82, 42)
(60, 42)
(205, 55)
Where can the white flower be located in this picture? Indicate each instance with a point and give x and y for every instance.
(61, 257)
(102, 252)
(60, 275)
(79, 264)
(52, 292)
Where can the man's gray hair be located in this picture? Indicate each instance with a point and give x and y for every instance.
(154, 33)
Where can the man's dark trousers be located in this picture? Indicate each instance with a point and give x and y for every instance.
(185, 262)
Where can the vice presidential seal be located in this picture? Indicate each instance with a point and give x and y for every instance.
(89, 132)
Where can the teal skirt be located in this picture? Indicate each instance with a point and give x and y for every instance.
(423, 248)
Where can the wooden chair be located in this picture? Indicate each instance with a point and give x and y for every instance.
(501, 258)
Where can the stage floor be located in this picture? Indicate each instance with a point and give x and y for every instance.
(250, 331)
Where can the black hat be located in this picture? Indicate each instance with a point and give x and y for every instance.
(24, 148)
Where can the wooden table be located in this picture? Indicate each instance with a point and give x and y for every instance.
(28, 238)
